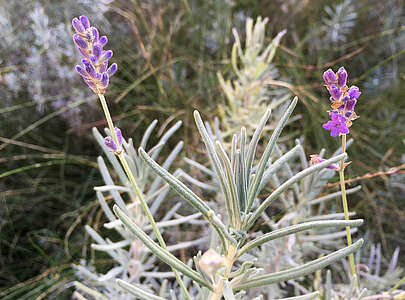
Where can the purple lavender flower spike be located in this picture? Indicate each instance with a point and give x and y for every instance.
(103, 40)
(95, 34)
(337, 125)
(335, 92)
(95, 62)
(77, 25)
(108, 141)
(112, 69)
(104, 80)
(85, 21)
(119, 135)
(342, 77)
(79, 41)
(354, 92)
(329, 77)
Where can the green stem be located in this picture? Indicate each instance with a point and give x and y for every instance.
(346, 210)
(137, 190)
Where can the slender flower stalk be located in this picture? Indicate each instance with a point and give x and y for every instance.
(96, 75)
(343, 101)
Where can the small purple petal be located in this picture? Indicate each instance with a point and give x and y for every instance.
(112, 69)
(89, 68)
(104, 80)
(95, 33)
(85, 21)
(77, 25)
(97, 48)
(350, 104)
(98, 76)
(103, 40)
(345, 98)
(119, 135)
(104, 66)
(334, 132)
(342, 77)
(348, 114)
(108, 141)
(354, 92)
(329, 76)
(93, 59)
(335, 92)
(328, 125)
(79, 41)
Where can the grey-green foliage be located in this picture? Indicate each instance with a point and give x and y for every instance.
(249, 93)
(240, 180)
(132, 260)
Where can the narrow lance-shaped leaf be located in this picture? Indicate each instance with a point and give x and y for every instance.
(137, 292)
(161, 253)
(303, 297)
(253, 188)
(303, 270)
(291, 181)
(278, 233)
(253, 144)
(215, 161)
(187, 195)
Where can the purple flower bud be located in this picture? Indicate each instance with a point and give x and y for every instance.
(350, 104)
(316, 159)
(335, 92)
(337, 125)
(93, 59)
(106, 55)
(104, 66)
(108, 141)
(119, 135)
(97, 48)
(85, 21)
(94, 31)
(348, 114)
(77, 25)
(103, 40)
(79, 41)
(98, 76)
(81, 71)
(354, 92)
(329, 76)
(89, 68)
(342, 76)
(112, 69)
(104, 80)
(345, 98)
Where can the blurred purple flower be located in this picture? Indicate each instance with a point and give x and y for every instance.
(316, 159)
(111, 145)
(95, 71)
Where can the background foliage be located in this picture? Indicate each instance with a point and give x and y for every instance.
(169, 53)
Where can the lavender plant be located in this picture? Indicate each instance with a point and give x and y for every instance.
(251, 92)
(221, 271)
(342, 114)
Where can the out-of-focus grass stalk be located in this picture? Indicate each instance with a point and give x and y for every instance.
(346, 210)
(137, 189)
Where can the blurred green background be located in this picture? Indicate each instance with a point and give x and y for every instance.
(168, 54)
